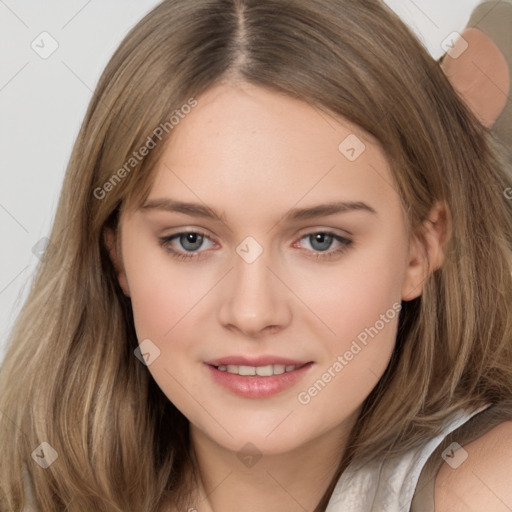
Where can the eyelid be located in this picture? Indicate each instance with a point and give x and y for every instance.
(324, 229)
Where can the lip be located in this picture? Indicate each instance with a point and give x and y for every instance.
(255, 386)
(255, 361)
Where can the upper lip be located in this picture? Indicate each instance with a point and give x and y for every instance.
(255, 361)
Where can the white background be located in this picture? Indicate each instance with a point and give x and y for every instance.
(43, 101)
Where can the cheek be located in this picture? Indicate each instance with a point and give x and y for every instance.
(157, 306)
(360, 303)
(364, 317)
(356, 292)
(161, 292)
(161, 296)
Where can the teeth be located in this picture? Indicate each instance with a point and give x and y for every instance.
(279, 368)
(262, 371)
(246, 370)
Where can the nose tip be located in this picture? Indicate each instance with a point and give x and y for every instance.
(255, 329)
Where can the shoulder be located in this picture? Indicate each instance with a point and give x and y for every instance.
(477, 476)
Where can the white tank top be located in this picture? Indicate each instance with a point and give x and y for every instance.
(388, 485)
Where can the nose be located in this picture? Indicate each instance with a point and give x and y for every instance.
(255, 298)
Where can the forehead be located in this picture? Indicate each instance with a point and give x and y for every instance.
(246, 145)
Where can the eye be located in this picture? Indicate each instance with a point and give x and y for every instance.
(321, 241)
(192, 241)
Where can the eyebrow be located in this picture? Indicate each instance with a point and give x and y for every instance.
(295, 214)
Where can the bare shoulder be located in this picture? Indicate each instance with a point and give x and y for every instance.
(478, 476)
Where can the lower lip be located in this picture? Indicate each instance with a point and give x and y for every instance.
(255, 386)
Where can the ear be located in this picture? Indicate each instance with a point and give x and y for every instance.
(480, 75)
(114, 250)
(428, 254)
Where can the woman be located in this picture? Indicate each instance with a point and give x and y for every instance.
(280, 276)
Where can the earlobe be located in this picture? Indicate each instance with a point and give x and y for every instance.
(427, 253)
(111, 243)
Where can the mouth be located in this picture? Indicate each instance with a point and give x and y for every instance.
(260, 378)
(261, 371)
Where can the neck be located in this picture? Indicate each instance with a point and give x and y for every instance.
(293, 481)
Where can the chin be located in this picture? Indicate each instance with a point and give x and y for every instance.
(247, 438)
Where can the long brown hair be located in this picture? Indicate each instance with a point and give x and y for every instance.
(70, 377)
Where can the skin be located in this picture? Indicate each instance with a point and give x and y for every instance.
(482, 480)
(480, 76)
(252, 155)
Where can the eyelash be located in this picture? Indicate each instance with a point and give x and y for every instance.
(324, 255)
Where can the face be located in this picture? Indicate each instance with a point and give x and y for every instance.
(271, 319)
